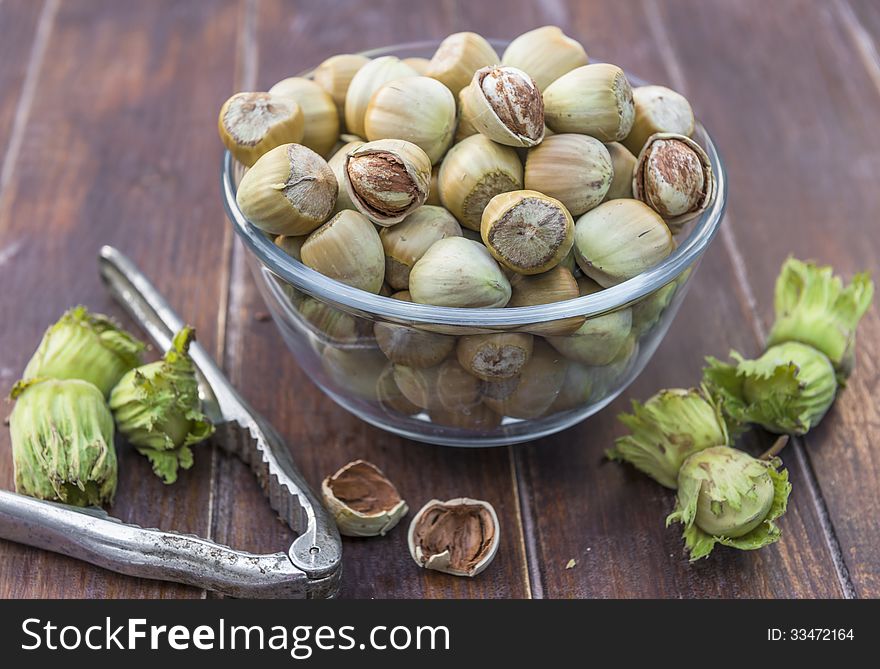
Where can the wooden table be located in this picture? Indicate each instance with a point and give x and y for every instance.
(107, 135)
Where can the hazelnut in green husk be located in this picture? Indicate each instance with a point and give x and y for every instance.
(725, 496)
(157, 409)
(62, 442)
(786, 390)
(813, 307)
(85, 346)
(667, 429)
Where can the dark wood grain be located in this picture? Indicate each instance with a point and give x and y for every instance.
(324, 437)
(119, 148)
(610, 519)
(18, 29)
(810, 164)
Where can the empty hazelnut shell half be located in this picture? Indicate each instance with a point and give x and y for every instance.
(362, 500)
(459, 536)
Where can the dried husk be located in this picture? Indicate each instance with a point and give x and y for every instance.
(473, 172)
(409, 240)
(347, 248)
(658, 109)
(366, 81)
(362, 501)
(575, 169)
(674, 177)
(290, 190)
(459, 536)
(620, 239)
(591, 100)
(505, 104)
(546, 54)
(458, 57)
(420, 110)
(320, 115)
(387, 179)
(250, 124)
(527, 231)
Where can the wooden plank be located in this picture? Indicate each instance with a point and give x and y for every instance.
(801, 109)
(18, 30)
(323, 437)
(118, 149)
(609, 518)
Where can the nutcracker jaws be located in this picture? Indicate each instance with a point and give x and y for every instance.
(310, 568)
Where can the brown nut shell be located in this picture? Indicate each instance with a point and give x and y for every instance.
(527, 231)
(250, 124)
(674, 177)
(390, 397)
(362, 501)
(457, 389)
(387, 179)
(459, 536)
(290, 190)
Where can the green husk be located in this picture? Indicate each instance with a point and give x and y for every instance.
(814, 308)
(85, 346)
(667, 429)
(732, 484)
(787, 390)
(157, 409)
(62, 442)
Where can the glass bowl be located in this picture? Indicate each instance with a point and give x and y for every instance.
(329, 328)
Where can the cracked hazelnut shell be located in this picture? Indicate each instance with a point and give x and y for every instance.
(362, 501)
